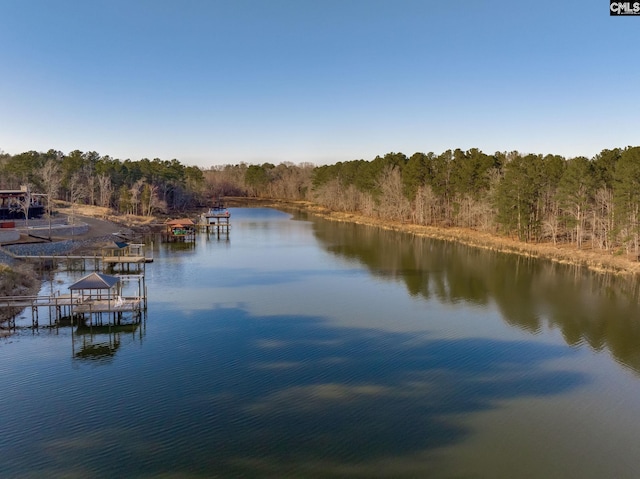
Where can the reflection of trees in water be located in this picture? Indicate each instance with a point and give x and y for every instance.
(601, 310)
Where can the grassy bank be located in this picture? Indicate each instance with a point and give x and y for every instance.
(22, 280)
(19, 280)
(593, 259)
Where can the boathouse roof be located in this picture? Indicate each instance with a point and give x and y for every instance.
(95, 281)
(115, 245)
(181, 222)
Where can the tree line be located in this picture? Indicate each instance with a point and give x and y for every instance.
(587, 202)
(143, 187)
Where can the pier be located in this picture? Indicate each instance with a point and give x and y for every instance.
(122, 256)
(215, 221)
(59, 306)
(90, 300)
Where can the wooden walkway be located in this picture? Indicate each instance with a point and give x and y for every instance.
(95, 260)
(61, 305)
(23, 302)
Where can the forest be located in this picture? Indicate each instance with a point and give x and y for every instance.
(585, 202)
(144, 187)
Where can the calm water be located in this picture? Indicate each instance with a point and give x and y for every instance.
(305, 348)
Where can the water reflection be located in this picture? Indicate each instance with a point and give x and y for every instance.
(597, 309)
(291, 396)
(267, 357)
(99, 344)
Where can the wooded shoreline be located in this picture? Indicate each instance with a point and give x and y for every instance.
(592, 259)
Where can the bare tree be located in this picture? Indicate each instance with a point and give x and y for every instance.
(105, 188)
(603, 218)
(25, 203)
(394, 204)
(77, 192)
(135, 190)
(51, 176)
(154, 202)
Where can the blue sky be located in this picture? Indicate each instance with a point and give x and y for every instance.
(223, 81)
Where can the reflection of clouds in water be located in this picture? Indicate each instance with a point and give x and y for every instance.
(67, 452)
(273, 343)
(316, 397)
(293, 395)
(278, 365)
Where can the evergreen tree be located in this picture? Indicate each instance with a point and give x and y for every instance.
(627, 197)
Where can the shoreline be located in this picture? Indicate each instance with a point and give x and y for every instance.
(595, 260)
(29, 283)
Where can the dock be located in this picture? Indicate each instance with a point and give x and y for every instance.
(59, 305)
(215, 221)
(89, 304)
(125, 257)
(180, 230)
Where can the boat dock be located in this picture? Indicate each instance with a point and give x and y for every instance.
(96, 295)
(124, 257)
(215, 221)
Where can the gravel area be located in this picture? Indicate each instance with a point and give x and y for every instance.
(95, 231)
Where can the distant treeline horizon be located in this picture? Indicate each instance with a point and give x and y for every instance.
(587, 202)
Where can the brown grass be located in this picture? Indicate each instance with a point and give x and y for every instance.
(19, 280)
(593, 259)
(104, 214)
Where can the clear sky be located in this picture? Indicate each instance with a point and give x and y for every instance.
(223, 81)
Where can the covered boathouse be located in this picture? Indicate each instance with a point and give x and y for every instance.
(183, 229)
(97, 294)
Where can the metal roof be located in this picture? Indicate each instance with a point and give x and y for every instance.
(95, 281)
(116, 245)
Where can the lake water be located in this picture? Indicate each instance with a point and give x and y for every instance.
(304, 348)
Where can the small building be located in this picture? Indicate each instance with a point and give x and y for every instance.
(116, 249)
(183, 229)
(13, 204)
(124, 254)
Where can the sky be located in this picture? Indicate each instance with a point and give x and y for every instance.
(213, 82)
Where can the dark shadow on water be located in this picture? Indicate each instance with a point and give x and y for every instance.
(281, 396)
